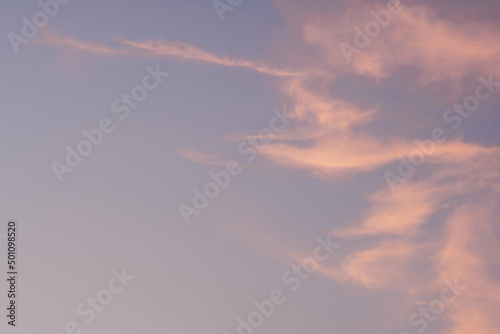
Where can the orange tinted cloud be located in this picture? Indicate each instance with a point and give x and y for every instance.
(469, 250)
(400, 228)
(203, 158)
(442, 50)
(156, 48)
(51, 37)
(188, 52)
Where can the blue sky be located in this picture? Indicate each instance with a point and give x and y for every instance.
(336, 171)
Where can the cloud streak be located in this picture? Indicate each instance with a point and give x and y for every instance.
(188, 52)
(51, 37)
(158, 48)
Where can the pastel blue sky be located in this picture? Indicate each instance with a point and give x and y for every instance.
(344, 168)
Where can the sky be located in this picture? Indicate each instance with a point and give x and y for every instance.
(240, 167)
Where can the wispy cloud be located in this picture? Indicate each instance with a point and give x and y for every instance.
(158, 48)
(51, 37)
(416, 38)
(204, 158)
(188, 52)
(400, 233)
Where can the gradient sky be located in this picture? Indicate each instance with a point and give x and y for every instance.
(323, 176)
